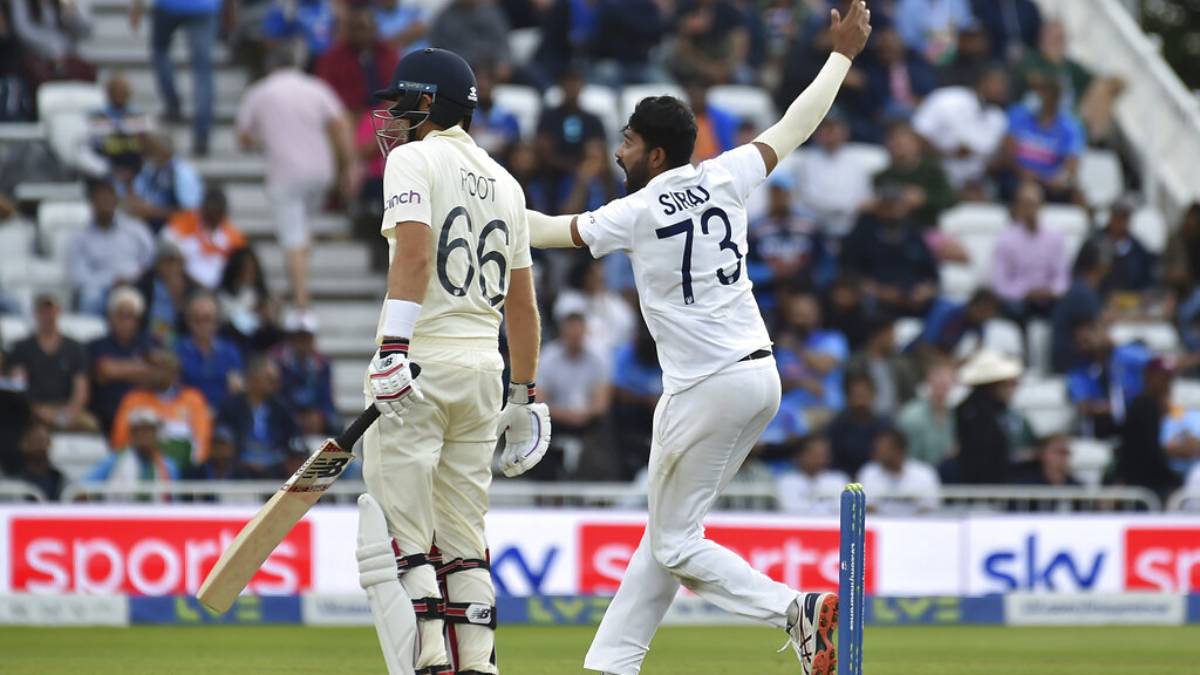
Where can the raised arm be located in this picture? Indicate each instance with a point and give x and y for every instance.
(849, 36)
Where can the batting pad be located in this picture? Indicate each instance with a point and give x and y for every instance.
(471, 608)
(390, 606)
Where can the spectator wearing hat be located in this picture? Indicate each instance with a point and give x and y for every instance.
(186, 423)
(830, 178)
(166, 287)
(810, 486)
(1142, 458)
(895, 483)
(36, 468)
(263, 429)
(306, 376)
(852, 432)
(206, 237)
(893, 372)
(222, 462)
(143, 460)
(928, 420)
(208, 361)
(165, 184)
(888, 252)
(117, 362)
(575, 383)
(989, 432)
(114, 248)
(54, 370)
(1030, 267)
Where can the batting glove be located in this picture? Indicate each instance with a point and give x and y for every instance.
(391, 379)
(525, 426)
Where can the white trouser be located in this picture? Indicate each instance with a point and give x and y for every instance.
(293, 206)
(701, 437)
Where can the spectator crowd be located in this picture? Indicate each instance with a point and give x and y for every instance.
(204, 373)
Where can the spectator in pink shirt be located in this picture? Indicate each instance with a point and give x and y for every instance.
(1030, 266)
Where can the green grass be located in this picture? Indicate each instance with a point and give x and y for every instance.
(559, 650)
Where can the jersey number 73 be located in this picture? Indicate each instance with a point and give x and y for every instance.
(688, 229)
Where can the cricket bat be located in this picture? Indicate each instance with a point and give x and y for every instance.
(240, 562)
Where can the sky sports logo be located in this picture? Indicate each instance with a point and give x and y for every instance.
(143, 556)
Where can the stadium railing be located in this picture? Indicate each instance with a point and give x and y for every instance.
(1187, 499)
(748, 496)
(15, 490)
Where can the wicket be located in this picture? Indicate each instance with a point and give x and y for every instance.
(851, 603)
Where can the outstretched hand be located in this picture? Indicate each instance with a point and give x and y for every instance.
(850, 33)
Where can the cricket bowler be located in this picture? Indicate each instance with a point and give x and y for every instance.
(684, 228)
(455, 223)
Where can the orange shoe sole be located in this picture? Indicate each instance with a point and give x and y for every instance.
(825, 659)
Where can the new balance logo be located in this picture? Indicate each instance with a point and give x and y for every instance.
(481, 614)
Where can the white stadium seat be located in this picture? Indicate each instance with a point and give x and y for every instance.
(12, 329)
(872, 157)
(1072, 221)
(57, 98)
(636, 92)
(1185, 393)
(958, 281)
(972, 217)
(76, 454)
(745, 102)
(522, 102)
(1149, 227)
(59, 223)
(522, 43)
(980, 245)
(1045, 404)
(82, 327)
(1004, 336)
(1039, 335)
(1100, 178)
(906, 330)
(1159, 336)
(1089, 460)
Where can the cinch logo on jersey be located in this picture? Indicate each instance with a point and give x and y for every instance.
(478, 185)
(143, 556)
(801, 558)
(410, 197)
(1162, 559)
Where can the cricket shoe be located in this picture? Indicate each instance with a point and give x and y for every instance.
(811, 620)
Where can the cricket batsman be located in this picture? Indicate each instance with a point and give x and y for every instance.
(684, 228)
(458, 240)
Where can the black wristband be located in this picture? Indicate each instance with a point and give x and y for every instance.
(393, 346)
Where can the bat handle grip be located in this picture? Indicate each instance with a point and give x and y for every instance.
(365, 419)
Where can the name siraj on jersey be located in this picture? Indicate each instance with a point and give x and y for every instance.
(682, 201)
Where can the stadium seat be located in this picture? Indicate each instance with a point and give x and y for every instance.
(522, 102)
(958, 281)
(873, 157)
(58, 98)
(12, 329)
(1045, 404)
(76, 454)
(58, 222)
(1149, 227)
(82, 327)
(1185, 393)
(1071, 221)
(636, 92)
(1159, 336)
(1100, 178)
(972, 217)
(67, 133)
(348, 378)
(980, 245)
(1090, 459)
(1004, 336)
(16, 244)
(597, 99)
(907, 329)
(745, 102)
(1039, 335)
(522, 43)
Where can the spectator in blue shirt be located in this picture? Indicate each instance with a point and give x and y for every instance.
(263, 429)
(494, 127)
(931, 27)
(887, 250)
(165, 184)
(637, 386)
(716, 129)
(1106, 380)
(1082, 302)
(897, 79)
(402, 25)
(311, 20)
(1132, 268)
(207, 362)
(852, 432)
(810, 358)
(1046, 142)
(198, 18)
(117, 362)
(950, 323)
(306, 376)
(785, 245)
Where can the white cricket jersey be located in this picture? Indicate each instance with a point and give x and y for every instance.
(476, 210)
(686, 235)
